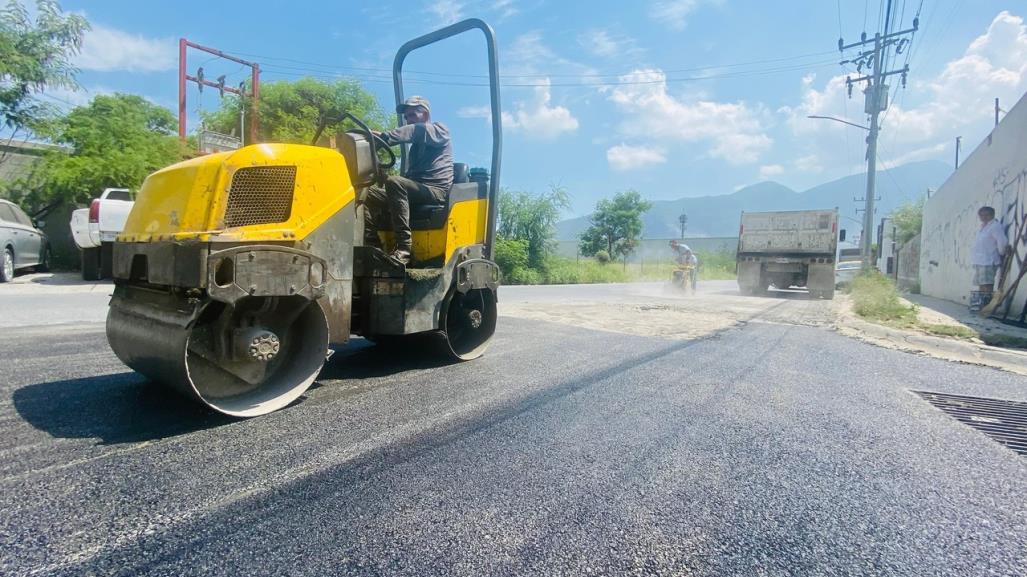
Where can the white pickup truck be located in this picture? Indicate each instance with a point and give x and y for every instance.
(95, 228)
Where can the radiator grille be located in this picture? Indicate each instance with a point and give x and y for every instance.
(260, 195)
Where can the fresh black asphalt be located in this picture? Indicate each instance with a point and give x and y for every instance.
(770, 449)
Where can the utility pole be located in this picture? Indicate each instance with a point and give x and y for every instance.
(876, 101)
(183, 77)
(683, 219)
(998, 110)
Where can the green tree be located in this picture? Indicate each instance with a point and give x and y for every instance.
(909, 219)
(615, 226)
(114, 141)
(531, 218)
(35, 55)
(290, 111)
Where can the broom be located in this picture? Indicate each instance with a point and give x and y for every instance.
(1000, 293)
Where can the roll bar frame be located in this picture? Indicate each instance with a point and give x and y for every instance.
(497, 115)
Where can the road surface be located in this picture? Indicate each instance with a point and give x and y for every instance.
(772, 446)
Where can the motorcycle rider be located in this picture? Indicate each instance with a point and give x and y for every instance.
(684, 256)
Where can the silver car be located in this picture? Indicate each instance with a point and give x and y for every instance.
(23, 244)
(846, 271)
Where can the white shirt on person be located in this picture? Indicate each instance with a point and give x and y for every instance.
(990, 243)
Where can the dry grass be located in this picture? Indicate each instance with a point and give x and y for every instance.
(876, 299)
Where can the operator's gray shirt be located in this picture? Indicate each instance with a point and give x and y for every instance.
(430, 160)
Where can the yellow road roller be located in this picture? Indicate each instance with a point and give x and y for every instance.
(236, 272)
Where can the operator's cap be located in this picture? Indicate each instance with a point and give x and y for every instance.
(412, 102)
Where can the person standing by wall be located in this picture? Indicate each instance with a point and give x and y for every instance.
(989, 247)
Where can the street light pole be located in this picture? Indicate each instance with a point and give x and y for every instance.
(838, 120)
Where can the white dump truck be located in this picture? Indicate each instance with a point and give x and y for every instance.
(788, 249)
(95, 228)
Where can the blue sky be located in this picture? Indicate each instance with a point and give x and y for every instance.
(671, 97)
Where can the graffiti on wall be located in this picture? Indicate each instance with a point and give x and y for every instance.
(1010, 194)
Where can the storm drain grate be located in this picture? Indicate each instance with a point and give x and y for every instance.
(1003, 421)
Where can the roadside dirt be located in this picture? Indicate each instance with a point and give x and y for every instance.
(971, 351)
(658, 313)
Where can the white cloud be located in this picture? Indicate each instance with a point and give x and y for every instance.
(673, 13)
(449, 11)
(733, 129)
(475, 112)
(957, 101)
(528, 54)
(505, 8)
(528, 48)
(808, 163)
(625, 157)
(106, 49)
(606, 44)
(768, 171)
(446, 11)
(536, 118)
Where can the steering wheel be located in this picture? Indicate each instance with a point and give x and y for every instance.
(388, 150)
(374, 141)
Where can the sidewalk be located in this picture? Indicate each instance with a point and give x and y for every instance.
(938, 312)
(991, 331)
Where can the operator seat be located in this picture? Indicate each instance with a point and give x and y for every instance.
(432, 216)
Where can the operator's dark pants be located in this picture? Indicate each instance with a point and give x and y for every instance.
(393, 202)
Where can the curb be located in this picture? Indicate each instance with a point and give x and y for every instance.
(938, 347)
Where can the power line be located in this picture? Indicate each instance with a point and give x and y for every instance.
(840, 30)
(57, 99)
(301, 72)
(943, 30)
(308, 65)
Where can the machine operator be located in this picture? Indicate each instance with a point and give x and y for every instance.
(428, 178)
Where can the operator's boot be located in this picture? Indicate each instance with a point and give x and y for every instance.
(404, 241)
(401, 255)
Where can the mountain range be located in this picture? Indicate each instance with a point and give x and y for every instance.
(718, 215)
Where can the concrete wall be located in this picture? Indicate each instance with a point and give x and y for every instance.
(908, 270)
(887, 248)
(17, 159)
(658, 249)
(995, 174)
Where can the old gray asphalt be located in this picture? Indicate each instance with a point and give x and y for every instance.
(772, 449)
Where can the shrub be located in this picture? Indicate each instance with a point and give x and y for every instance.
(511, 255)
(875, 297)
(524, 275)
(602, 257)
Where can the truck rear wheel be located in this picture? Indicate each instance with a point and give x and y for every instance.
(91, 264)
(107, 260)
